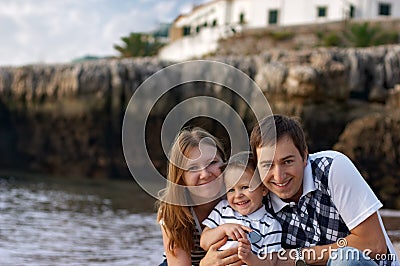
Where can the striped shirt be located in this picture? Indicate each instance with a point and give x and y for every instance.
(197, 253)
(260, 221)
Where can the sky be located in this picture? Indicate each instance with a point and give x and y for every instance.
(58, 31)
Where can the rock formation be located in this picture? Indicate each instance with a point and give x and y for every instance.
(66, 119)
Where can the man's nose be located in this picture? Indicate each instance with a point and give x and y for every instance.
(279, 173)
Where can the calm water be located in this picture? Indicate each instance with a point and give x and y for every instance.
(70, 222)
(56, 222)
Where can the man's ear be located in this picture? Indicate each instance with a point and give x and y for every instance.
(305, 157)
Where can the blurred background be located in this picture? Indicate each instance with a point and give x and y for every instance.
(69, 68)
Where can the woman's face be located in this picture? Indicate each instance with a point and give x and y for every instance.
(202, 169)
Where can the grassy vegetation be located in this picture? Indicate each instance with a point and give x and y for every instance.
(358, 35)
(281, 35)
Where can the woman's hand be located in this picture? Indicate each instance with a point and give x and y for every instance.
(214, 257)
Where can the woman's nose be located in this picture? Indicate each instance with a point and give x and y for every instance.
(205, 173)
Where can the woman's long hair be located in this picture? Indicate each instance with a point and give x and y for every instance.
(177, 220)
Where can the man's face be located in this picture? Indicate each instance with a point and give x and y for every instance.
(283, 173)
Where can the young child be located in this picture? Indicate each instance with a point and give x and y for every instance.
(243, 215)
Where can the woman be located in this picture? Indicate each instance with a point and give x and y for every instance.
(194, 189)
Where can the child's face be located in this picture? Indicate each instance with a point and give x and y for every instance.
(240, 196)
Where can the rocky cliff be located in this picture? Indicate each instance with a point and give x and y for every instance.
(66, 119)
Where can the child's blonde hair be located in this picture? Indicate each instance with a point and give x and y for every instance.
(246, 162)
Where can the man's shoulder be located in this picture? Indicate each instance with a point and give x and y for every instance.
(325, 154)
(320, 164)
(324, 159)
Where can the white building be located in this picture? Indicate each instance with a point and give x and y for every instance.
(197, 33)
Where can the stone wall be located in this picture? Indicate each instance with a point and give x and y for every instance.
(66, 119)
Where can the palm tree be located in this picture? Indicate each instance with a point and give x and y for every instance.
(138, 45)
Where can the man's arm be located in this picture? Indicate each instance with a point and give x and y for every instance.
(212, 236)
(366, 236)
(357, 205)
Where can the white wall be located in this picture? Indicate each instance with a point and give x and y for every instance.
(368, 9)
(193, 46)
(260, 11)
(238, 7)
(290, 12)
(395, 7)
(305, 12)
(206, 13)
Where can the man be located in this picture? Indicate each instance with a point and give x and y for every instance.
(321, 200)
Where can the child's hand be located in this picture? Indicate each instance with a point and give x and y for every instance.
(235, 231)
(244, 249)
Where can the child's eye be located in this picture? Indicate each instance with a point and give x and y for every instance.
(231, 190)
(245, 187)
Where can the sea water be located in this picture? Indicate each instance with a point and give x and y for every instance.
(48, 221)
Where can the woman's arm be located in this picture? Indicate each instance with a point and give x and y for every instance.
(214, 257)
(213, 235)
(180, 258)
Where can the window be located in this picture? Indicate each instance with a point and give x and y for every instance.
(186, 30)
(241, 18)
(273, 17)
(321, 11)
(352, 11)
(384, 9)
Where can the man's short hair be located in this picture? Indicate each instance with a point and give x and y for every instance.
(275, 127)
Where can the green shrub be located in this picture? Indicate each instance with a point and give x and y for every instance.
(363, 35)
(281, 35)
(358, 35)
(331, 39)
